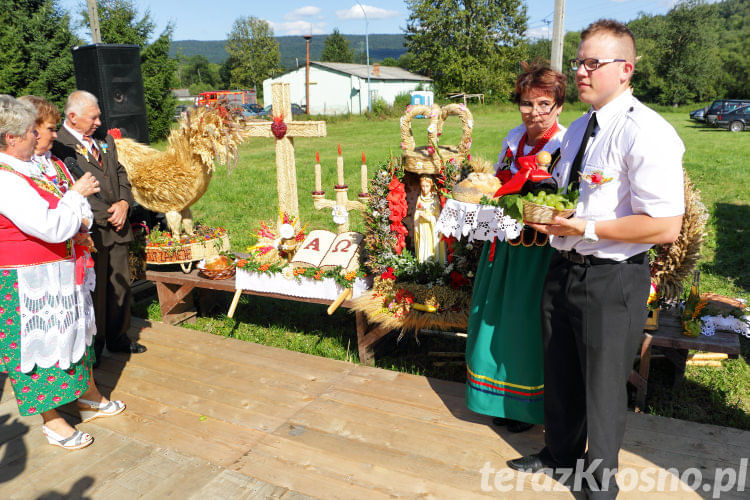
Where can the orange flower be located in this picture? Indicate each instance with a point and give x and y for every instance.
(241, 262)
(264, 268)
(350, 275)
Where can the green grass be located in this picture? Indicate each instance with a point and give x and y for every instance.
(714, 159)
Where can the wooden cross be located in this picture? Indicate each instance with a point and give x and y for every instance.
(286, 170)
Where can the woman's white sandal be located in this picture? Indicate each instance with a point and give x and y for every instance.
(76, 441)
(92, 409)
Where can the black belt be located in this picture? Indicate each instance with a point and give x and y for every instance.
(590, 260)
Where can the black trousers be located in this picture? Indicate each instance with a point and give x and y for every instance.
(592, 323)
(111, 296)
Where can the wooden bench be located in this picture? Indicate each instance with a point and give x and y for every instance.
(675, 346)
(174, 291)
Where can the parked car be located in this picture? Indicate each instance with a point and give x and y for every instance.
(178, 110)
(723, 106)
(251, 110)
(698, 115)
(266, 112)
(736, 120)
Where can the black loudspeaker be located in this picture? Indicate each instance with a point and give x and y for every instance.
(113, 74)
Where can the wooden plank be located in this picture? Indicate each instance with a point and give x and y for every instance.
(231, 484)
(384, 431)
(227, 285)
(245, 412)
(163, 425)
(357, 472)
(302, 478)
(678, 429)
(298, 377)
(45, 479)
(237, 352)
(670, 335)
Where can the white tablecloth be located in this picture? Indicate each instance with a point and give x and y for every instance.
(477, 222)
(308, 288)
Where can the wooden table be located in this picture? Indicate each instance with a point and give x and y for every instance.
(174, 290)
(670, 339)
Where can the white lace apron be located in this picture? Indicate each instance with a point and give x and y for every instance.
(57, 316)
(477, 222)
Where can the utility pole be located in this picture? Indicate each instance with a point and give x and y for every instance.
(307, 73)
(558, 35)
(367, 50)
(96, 34)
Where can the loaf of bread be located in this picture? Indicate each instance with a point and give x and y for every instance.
(475, 186)
(216, 262)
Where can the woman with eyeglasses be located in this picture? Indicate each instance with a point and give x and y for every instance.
(505, 376)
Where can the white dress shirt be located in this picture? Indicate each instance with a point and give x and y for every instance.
(639, 158)
(79, 137)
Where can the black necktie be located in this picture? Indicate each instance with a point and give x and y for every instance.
(575, 168)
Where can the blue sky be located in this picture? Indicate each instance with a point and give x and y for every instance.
(212, 19)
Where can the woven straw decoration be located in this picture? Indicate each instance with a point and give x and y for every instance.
(428, 159)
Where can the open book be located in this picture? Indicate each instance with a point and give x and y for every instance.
(327, 250)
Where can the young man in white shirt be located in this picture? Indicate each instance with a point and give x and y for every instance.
(627, 161)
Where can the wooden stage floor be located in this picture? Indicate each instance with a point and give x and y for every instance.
(210, 417)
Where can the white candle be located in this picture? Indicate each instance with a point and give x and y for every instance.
(340, 168)
(318, 182)
(363, 174)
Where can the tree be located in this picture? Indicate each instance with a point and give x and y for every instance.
(119, 23)
(253, 52)
(35, 55)
(690, 53)
(468, 46)
(336, 48)
(734, 46)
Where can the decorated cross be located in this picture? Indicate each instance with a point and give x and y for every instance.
(284, 129)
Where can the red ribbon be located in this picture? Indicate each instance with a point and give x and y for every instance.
(83, 262)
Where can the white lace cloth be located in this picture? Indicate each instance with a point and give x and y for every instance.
(325, 288)
(57, 316)
(477, 222)
(736, 325)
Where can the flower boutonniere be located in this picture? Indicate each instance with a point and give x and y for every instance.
(81, 150)
(103, 148)
(596, 178)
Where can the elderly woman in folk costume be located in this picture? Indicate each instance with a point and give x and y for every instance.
(505, 375)
(46, 326)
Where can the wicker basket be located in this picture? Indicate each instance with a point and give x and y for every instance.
(542, 214)
(216, 274)
(187, 253)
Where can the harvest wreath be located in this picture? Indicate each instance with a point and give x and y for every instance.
(408, 294)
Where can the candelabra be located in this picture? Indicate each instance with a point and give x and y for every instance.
(341, 205)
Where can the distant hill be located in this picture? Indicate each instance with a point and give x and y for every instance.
(292, 48)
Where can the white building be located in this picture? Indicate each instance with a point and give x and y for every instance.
(337, 88)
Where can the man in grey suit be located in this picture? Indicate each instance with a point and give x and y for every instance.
(111, 230)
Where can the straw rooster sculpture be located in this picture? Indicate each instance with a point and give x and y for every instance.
(171, 181)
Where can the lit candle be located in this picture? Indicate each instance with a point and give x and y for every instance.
(340, 168)
(318, 183)
(363, 174)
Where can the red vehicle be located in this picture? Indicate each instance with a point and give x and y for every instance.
(232, 98)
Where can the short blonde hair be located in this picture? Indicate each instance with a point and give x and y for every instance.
(45, 110)
(615, 29)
